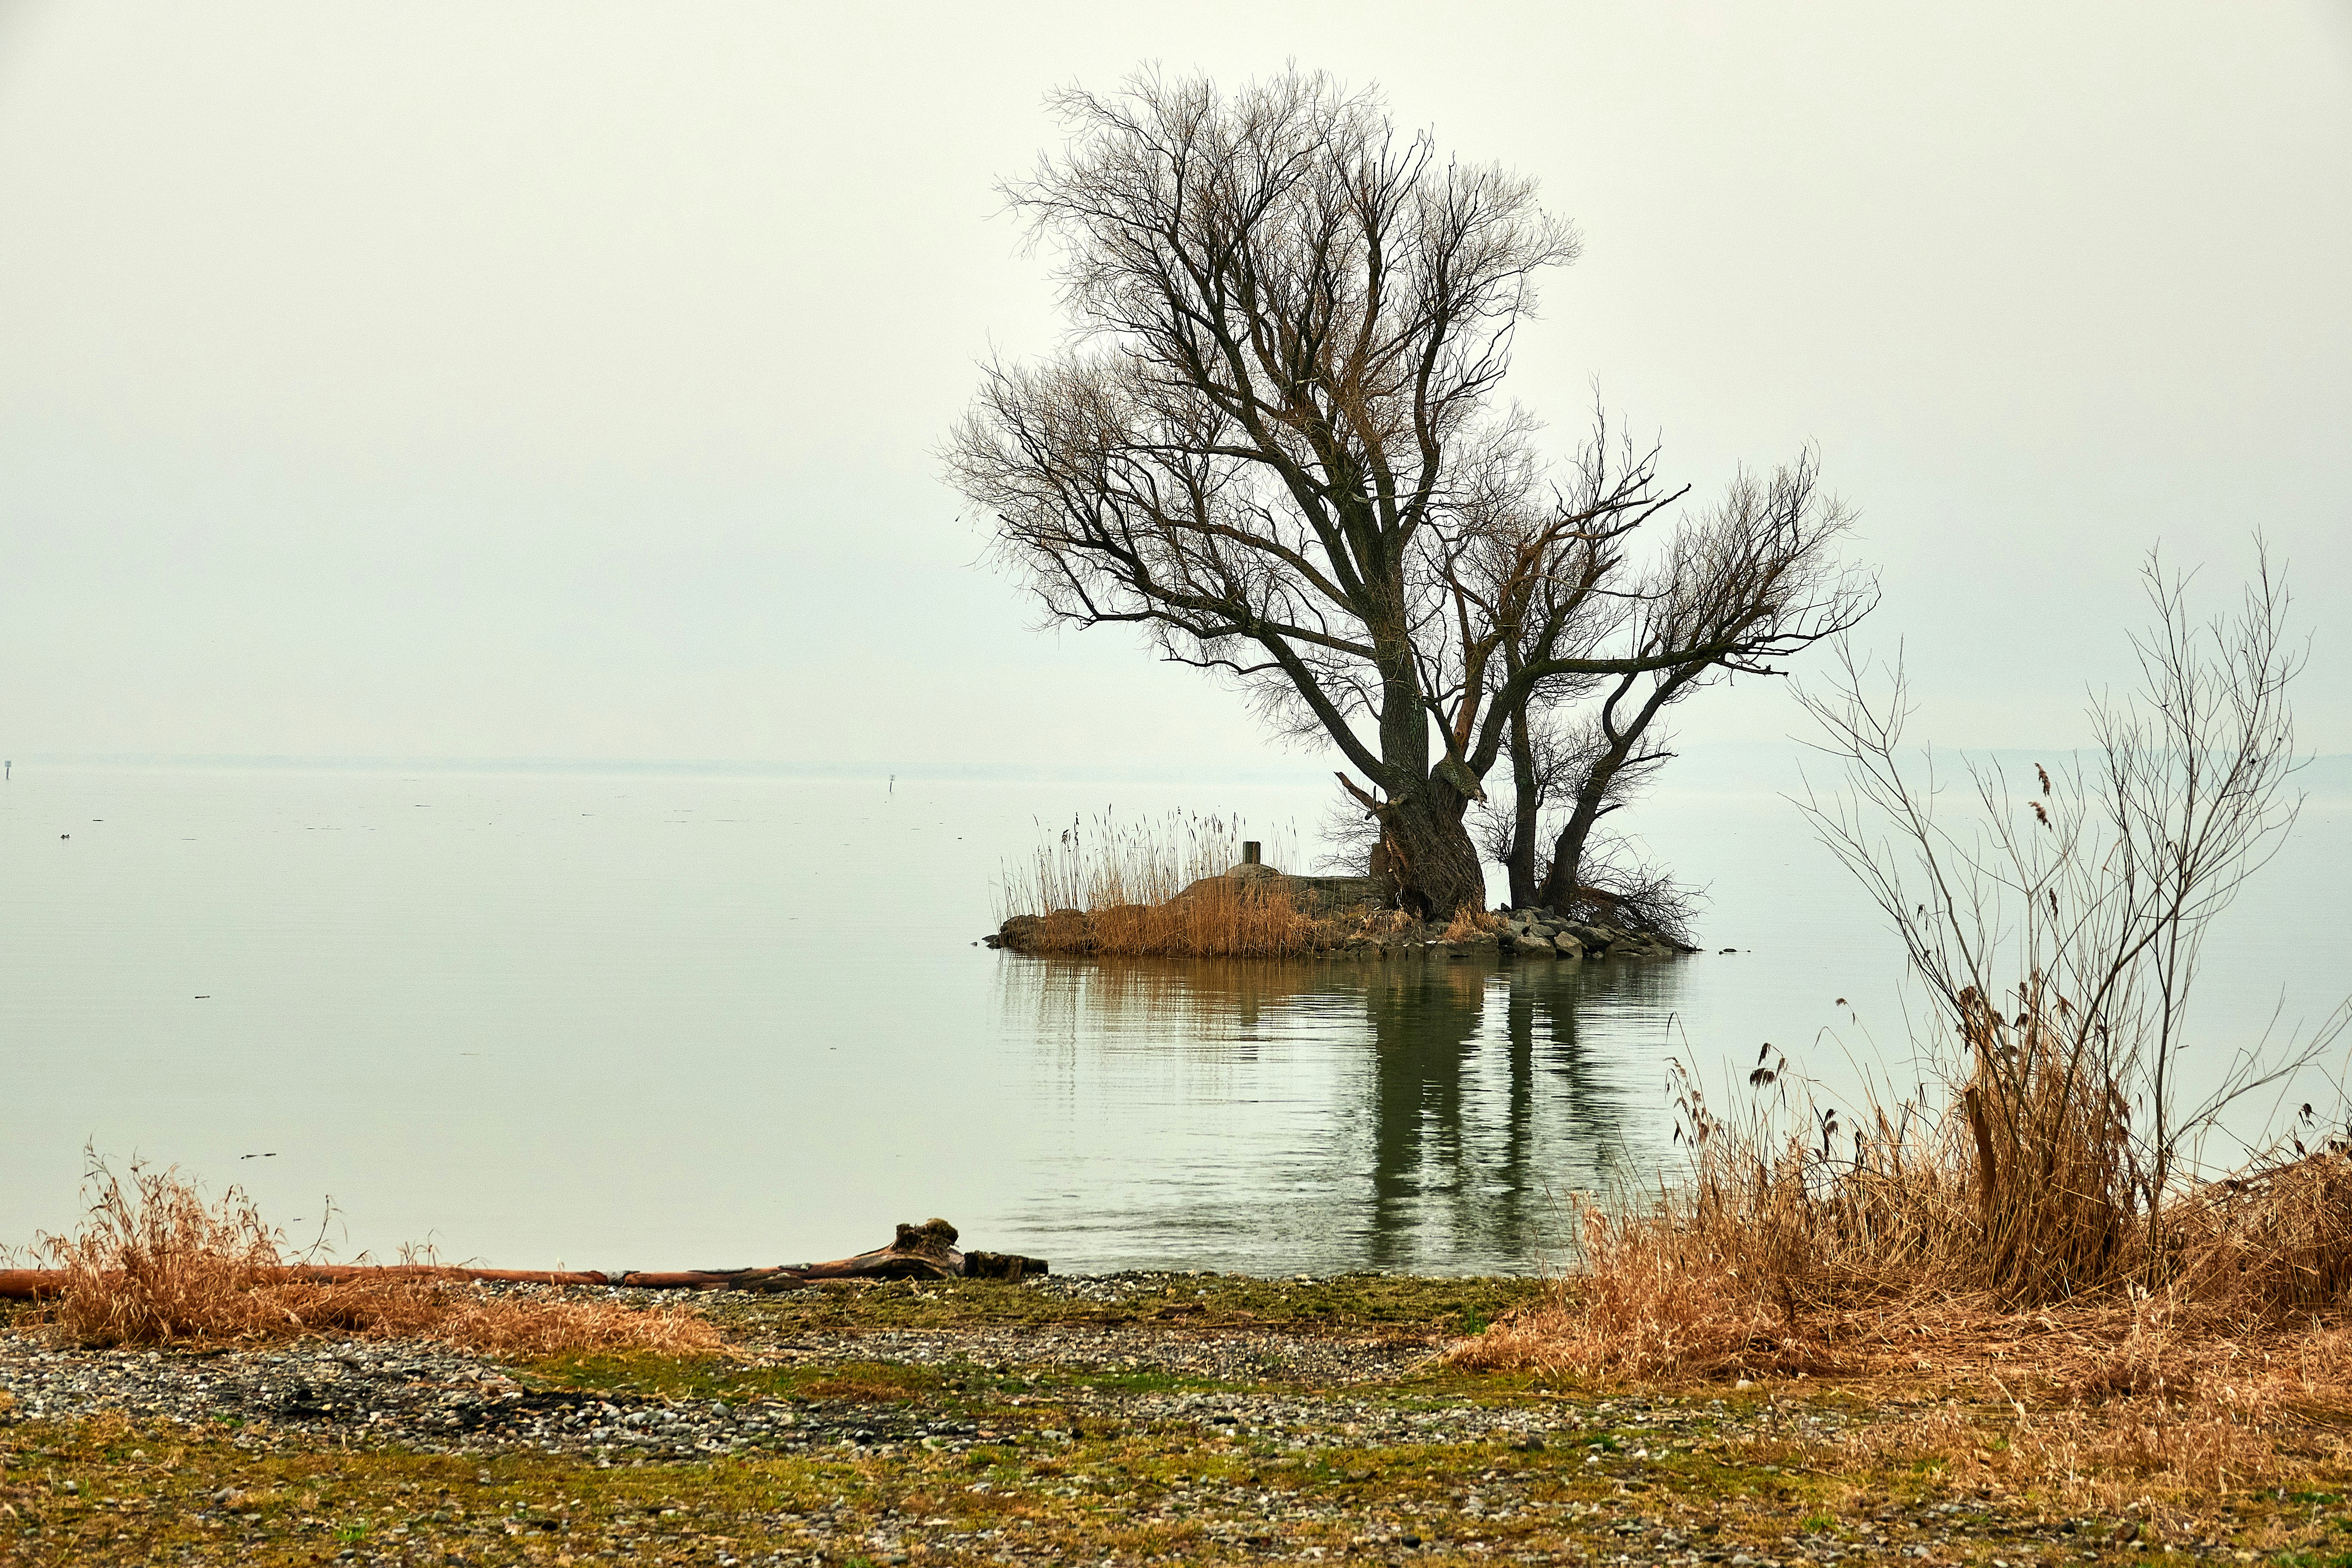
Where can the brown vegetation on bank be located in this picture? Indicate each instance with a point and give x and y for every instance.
(154, 1264)
(2038, 1226)
(1156, 890)
(2206, 1344)
(1216, 920)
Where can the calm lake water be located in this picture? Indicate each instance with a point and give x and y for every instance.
(658, 1020)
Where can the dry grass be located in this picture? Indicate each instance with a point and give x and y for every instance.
(1999, 1249)
(2022, 1196)
(154, 1264)
(1468, 925)
(1156, 890)
(2103, 1402)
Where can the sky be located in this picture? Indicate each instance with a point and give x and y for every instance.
(568, 381)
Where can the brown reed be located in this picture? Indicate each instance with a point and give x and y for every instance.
(2043, 1215)
(1780, 1253)
(154, 1264)
(1157, 888)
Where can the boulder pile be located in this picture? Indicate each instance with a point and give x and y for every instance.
(1540, 933)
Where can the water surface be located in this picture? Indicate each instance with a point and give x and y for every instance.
(646, 1018)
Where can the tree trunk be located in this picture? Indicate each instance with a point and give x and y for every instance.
(1527, 805)
(1559, 885)
(1430, 854)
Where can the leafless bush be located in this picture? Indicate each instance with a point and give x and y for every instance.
(1350, 835)
(2059, 928)
(2048, 1165)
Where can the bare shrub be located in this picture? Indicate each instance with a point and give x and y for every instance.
(2049, 1176)
(154, 1264)
(1620, 888)
(2059, 930)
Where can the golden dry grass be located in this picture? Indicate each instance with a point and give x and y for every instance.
(2024, 1194)
(1155, 890)
(1219, 920)
(2102, 1401)
(1468, 925)
(2004, 1249)
(154, 1264)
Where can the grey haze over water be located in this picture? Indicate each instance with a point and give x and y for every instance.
(640, 1018)
(556, 381)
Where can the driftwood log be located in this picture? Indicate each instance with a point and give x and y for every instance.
(925, 1251)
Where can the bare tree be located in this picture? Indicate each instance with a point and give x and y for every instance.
(1534, 596)
(1590, 659)
(1741, 590)
(1274, 444)
(1551, 763)
(2058, 929)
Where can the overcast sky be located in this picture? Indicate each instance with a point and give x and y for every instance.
(567, 380)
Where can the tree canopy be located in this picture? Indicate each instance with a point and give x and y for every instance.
(1275, 442)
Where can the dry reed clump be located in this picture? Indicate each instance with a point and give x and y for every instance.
(1155, 890)
(1783, 1253)
(1960, 1255)
(1469, 924)
(153, 1264)
(2188, 1333)
(2040, 1225)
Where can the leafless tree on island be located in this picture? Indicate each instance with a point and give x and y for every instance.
(1740, 590)
(1275, 444)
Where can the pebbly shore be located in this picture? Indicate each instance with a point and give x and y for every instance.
(1131, 1418)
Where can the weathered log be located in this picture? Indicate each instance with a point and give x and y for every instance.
(925, 1251)
(756, 1279)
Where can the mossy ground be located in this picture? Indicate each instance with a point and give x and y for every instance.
(1351, 1304)
(1061, 1465)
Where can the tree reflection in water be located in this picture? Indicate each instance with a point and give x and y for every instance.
(1407, 1115)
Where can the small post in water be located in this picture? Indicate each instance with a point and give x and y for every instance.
(1249, 851)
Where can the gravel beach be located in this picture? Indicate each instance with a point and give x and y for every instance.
(1126, 1418)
